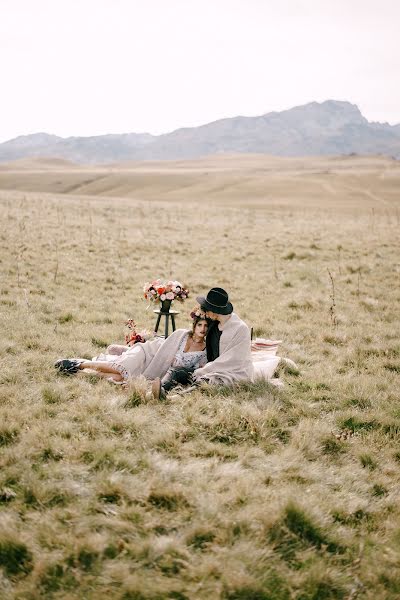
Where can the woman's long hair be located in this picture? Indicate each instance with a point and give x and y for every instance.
(197, 320)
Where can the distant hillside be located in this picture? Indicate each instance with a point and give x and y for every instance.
(331, 127)
(95, 149)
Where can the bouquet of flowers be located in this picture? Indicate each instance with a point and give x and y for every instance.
(133, 337)
(158, 291)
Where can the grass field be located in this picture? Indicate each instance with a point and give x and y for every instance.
(251, 493)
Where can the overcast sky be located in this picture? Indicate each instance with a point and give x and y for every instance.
(89, 67)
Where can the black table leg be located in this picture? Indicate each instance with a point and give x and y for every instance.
(158, 323)
(166, 325)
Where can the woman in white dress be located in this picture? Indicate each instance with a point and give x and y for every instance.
(183, 350)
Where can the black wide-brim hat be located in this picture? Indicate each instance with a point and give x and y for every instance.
(217, 301)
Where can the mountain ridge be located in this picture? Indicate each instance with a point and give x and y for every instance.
(330, 127)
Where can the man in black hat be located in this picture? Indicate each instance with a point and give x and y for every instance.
(228, 342)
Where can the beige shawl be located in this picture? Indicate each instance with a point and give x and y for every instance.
(234, 362)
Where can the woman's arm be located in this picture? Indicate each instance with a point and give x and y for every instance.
(116, 349)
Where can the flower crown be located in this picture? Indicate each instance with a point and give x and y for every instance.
(197, 313)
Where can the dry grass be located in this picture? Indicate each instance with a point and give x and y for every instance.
(227, 494)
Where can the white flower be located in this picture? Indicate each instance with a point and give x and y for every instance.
(170, 296)
(163, 297)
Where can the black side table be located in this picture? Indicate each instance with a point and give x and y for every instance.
(168, 315)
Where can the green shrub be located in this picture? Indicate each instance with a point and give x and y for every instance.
(67, 318)
(357, 518)
(57, 577)
(85, 559)
(201, 540)
(166, 500)
(323, 589)
(333, 447)
(299, 523)
(296, 531)
(368, 462)
(15, 558)
(379, 490)
(356, 424)
(8, 436)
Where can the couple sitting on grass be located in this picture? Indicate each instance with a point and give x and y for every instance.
(216, 350)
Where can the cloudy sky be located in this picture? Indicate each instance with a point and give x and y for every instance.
(88, 67)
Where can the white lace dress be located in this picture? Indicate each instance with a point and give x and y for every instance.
(188, 360)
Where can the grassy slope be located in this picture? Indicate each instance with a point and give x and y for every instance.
(231, 494)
